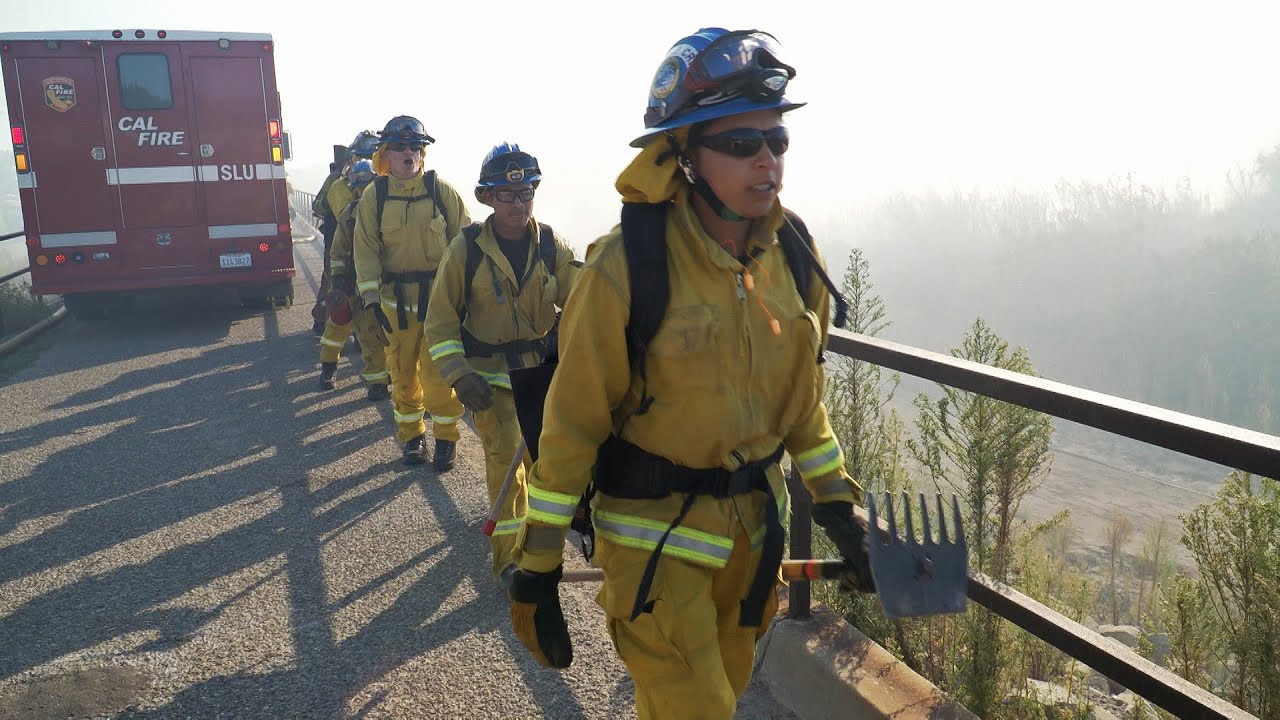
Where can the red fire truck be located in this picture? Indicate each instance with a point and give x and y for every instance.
(149, 159)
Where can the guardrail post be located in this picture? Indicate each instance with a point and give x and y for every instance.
(801, 541)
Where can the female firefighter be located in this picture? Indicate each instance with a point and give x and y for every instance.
(492, 305)
(404, 222)
(685, 427)
(345, 309)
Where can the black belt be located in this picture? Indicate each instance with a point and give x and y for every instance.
(512, 351)
(423, 279)
(628, 471)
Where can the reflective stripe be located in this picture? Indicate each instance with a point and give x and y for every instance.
(332, 343)
(500, 380)
(367, 285)
(820, 460)
(27, 179)
(410, 418)
(508, 527)
(220, 232)
(832, 486)
(445, 348)
(543, 539)
(454, 366)
(550, 507)
(372, 377)
(445, 419)
(151, 175)
(643, 534)
(337, 264)
(96, 237)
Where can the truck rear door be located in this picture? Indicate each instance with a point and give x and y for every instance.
(155, 168)
(231, 124)
(63, 125)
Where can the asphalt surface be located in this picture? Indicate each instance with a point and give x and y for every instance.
(189, 527)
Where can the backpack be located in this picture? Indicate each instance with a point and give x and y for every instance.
(644, 241)
(381, 188)
(546, 253)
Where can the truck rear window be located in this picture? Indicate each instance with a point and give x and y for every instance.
(144, 81)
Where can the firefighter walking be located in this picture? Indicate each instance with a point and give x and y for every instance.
(684, 438)
(493, 303)
(343, 305)
(404, 222)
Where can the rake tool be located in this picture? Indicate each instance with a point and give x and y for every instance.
(918, 578)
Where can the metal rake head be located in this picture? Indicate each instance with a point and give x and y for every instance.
(916, 578)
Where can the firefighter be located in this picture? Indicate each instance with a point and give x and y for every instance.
(403, 226)
(492, 305)
(687, 439)
(344, 307)
(328, 225)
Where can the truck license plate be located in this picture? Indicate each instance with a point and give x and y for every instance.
(235, 260)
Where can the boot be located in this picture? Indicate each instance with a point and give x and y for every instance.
(327, 371)
(378, 391)
(413, 452)
(442, 460)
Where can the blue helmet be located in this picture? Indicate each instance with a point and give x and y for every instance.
(715, 73)
(361, 174)
(404, 128)
(364, 145)
(507, 164)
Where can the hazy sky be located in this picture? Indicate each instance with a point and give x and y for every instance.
(903, 96)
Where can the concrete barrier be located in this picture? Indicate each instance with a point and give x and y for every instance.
(824, 668)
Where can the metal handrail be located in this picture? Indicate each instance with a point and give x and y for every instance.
(15, 273)
(1225, 444)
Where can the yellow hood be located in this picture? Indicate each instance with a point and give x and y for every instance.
(647, 180)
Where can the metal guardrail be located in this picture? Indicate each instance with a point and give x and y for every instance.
(15, 273)
(1217, 442)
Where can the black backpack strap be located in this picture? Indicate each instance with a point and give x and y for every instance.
(433, 189)
(547, 247)
(380, 190)
(644, 239)
(474, 257)
(797, 245)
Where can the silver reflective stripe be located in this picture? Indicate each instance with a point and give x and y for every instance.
(550, 507)
(643, 534)
(151, 175)
(508, 527)
(100, 237)
(375, 376)
(27, 179)
(332, 343)
(219, 232)
(409, 417)
(445, 419)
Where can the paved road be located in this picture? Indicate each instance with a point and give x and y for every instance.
(189, 528)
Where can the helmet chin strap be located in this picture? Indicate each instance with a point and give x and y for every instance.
(701, 187)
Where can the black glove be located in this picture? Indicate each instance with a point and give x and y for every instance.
(346, 282)
(474, 392)
(536, 616)
(376, 307)
(849, 533)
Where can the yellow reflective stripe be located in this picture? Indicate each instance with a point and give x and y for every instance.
(550, 507)
(337, 264)
(445, 419)
(543, 539)
(820, 460)
(368, 285)
(408, 418)
(501, 379)
(832, 486)
(508, 527)
(640, 533)
(373, 377)
(333, 343)
(445, 348)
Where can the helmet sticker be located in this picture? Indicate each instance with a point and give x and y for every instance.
(685, 52)
(667, 78)
(515, 173)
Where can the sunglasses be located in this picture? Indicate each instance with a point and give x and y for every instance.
(401, 147)
(746, 142)
(507, 196)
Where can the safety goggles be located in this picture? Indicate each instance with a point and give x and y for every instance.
(746, 142)
(731, 54)
(401, 147)
(508, 196)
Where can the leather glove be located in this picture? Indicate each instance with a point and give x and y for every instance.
(849, 534)
(536, 616)
(474, 392)
(376, 307)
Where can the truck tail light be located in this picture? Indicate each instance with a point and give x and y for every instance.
(60, 259)
(16, 133)
(264, 247)
(273, 134)
(283, 228)
(20, 160)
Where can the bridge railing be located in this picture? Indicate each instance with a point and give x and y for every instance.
(1217, 442)
(15, 273)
